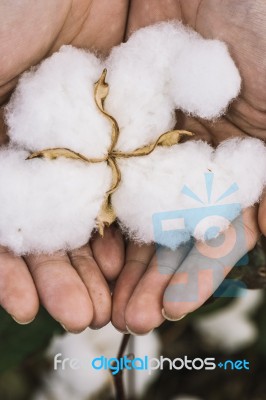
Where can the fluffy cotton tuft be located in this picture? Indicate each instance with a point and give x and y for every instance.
(50, 205)
(53, 105)
(174, 184)
(47, 206)
(162, 68)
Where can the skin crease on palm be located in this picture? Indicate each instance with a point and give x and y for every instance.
(73, 287)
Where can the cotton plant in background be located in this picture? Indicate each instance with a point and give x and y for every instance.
(231, 329)
(82, 384)
(81, 156)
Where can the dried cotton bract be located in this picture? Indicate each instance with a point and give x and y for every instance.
(47, 205)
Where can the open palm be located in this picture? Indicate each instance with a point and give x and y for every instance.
(71, 286)
(145, 303)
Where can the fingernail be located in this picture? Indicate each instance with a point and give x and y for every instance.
(22, 322)
(138, 334)
(63, 326)
(123, 332)
(171, 318)
(68, 331)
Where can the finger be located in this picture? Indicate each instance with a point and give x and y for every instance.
(137, 260)
(207, 264)
(18, 295)
(3, 129)
(84, 263)
(144, 309)
(262, 215)
(148, 12)
(61, 290)
(109, 252)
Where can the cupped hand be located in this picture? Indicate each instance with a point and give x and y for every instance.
(147, 292)
(73, 287)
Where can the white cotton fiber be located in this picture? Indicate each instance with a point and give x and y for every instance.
(47, 205)
(245, 159)
(53, 105)
(204, 78)
(155, 185)
(162, 68)
(138, 73)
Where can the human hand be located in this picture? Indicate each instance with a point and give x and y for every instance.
(142, 290)
(72, 286)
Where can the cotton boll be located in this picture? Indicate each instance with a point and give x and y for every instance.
(53, 105)
(173, 67)
(84, 347)
(153, 184)
(155, 44)
(231, 329)
(202, 197)
(48, 205)
(148, 345)
(138, 99)
(204, 78)
(139, 77)
(160, 68)
(85, 382)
